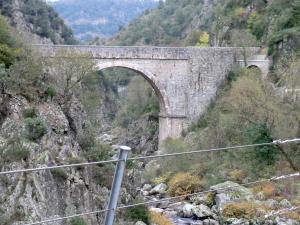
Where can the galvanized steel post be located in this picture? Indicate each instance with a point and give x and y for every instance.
(116, 186)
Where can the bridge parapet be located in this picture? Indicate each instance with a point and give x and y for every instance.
(136, 52)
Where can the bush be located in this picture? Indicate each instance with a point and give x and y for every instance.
(138, 213)
(98, 152)
(237, 175)
(183, 184)
(50, 93)
(86, 138)
(159, 219)
(240, 210)
(30, 112)
(14, 152)
(59, 174)
(267, 188)
(7, 55)
(78, 221)
(35, 128)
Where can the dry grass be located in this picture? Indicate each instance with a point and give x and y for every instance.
(237, 175)
(267, 188)
(240, 210)
(159, 219)
(184, 183)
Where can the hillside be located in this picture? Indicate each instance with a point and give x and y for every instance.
(99, 18)
(37, 21)
(216, 23)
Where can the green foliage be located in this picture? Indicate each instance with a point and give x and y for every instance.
(6, 37)
(59, 174)
(138, 92)
(78, 221)
(68, 70)
(164, 25)
(98, 152)
(264, 156)
(14, 152)
(7, 55)
(7, 44)
(94, 150)
(35, 128)
(50, 93)
(30, 112)
(138, 213)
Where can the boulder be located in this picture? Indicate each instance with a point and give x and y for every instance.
(235, 221)
(187, 210)
(283, 221)
(147, 187)
(229, 192)
(210, 222)
(156, 210)
(140, 223)
(285, 204)
(272, 204)
(159, 189)
(203, 212)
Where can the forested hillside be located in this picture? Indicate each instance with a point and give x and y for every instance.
(90, 19)
(227, 22)
(36, 17)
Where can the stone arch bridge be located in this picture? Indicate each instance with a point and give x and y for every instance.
(185, 80)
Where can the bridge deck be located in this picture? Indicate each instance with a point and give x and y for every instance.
(138, 52)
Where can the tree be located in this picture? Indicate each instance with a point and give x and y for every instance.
(67, 70)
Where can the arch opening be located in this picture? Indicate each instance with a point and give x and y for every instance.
(148, 76)
(255, 69)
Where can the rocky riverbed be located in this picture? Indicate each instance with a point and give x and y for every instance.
(228, 203)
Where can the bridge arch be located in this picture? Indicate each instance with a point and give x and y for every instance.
(148, 76)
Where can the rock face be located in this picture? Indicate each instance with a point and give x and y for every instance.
(47, 194)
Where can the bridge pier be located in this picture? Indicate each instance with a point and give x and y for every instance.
(171, 127)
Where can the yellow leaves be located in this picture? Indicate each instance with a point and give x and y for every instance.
(203, 40)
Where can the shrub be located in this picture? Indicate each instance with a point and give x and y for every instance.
(103, 176)
(138, 213)
(240, 210)
(159, 219)
(59, 174)
(7, 55)
(267, 188)
(50, 93)
(78, 221)
(30, 112)
(237, 175)
(86, 138)
(183, 183)
(35, 128)
(98, 152)
(15, 152)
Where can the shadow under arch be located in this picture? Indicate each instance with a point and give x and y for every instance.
(162, 97)
(255, 68)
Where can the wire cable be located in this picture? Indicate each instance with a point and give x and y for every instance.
(168, 199)
(282, 211)
(276, 142)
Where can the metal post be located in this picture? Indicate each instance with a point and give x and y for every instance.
(116, 186)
